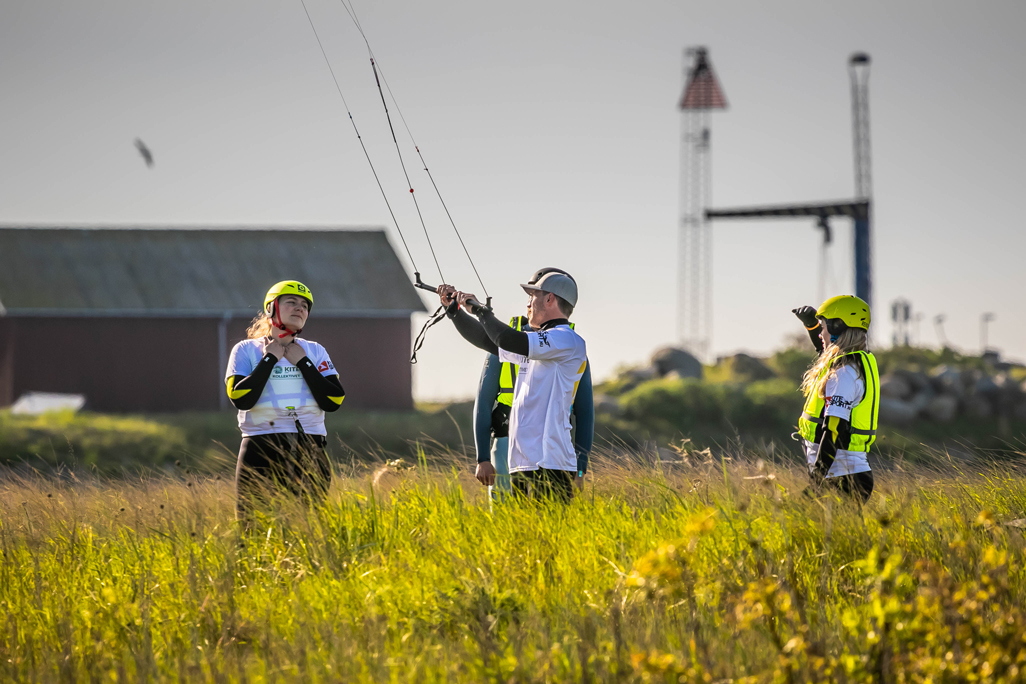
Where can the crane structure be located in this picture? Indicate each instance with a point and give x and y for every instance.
(858, 209)
(702, 94)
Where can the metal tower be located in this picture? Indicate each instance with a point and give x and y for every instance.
(702, 94)
(858, 69)
(859, 209)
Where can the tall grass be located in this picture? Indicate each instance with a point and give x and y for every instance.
(712, 570)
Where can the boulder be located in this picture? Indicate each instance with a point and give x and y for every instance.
(607, 405)
(896, 412)
(894, 386)
(673, 359)
(942, 408)
(1008, 389)
(947, 380)
(748, 368)
(922, 400)
(630, 378)
(985, 387)
(979, 407)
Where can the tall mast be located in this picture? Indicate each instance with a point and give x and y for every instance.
(858, 69)
(702, 94)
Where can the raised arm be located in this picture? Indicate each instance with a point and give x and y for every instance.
(807, 315)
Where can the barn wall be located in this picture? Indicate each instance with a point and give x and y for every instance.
(172, 364)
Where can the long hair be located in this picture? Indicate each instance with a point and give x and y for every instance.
(260, 327)
(852, 339)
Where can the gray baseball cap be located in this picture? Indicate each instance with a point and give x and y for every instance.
(559, 284)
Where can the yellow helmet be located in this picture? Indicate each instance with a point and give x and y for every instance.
(850, 309)
(288, 287)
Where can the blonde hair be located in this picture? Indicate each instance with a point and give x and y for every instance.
(852, 339)
(260, 327)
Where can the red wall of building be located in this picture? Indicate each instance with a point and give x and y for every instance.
(173, 364)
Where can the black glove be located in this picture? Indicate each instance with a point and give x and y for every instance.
(807, 315)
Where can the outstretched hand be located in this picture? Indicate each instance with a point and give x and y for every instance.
(807, 315)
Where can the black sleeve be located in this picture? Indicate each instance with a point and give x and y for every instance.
(503, 336)
(245, 391)
(834, 434)
(327, 389)
(470, 329)
(817, 342)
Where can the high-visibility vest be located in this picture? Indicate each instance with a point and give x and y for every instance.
(864, 417)
(508, 373)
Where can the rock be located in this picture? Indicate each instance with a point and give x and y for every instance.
(896, 412)
(979, 407)
(749, 369)
(1008, 389)
(630, 378)
(607, 405)
(673, 359)
(947, 380)
(985, 387)
(942, 408)
(922, 400)
(894, 386)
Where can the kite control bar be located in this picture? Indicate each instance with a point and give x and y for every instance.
(473, 302)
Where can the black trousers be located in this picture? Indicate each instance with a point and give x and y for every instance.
(858, 486)
(283, 463)
(555, 485)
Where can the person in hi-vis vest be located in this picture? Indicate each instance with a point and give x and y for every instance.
(495, 399)
(842, 396)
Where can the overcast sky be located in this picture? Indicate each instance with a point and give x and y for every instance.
(552, 131)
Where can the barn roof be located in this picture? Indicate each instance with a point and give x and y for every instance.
(52, 271)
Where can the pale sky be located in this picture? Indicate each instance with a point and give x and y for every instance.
(552, 131)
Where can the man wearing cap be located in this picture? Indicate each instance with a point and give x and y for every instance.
(552, 359)
(494, 402)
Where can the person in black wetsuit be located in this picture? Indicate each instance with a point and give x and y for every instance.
(282, 386)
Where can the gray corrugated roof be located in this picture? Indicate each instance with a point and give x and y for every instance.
(197, 271)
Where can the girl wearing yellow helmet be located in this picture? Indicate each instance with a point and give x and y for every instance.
(842, 396)
(282, 386)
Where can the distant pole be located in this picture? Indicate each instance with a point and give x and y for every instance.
(858, 69)
(985, 320)
(938, 325)
(702, 94)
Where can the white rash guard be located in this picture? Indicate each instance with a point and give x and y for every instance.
(286, 397)
(539, 423)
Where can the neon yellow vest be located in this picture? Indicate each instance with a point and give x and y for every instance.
(508, 373)
(863, 417)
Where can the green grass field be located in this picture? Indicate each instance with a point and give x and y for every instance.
(712, 571)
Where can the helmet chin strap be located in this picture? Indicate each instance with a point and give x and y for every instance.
(276, 314)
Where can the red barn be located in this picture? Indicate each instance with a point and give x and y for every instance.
(142, 320)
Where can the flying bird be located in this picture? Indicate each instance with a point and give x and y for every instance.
(145, 152)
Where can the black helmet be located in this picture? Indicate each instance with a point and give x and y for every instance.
(545, 271)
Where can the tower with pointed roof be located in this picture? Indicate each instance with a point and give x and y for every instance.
(702, 94)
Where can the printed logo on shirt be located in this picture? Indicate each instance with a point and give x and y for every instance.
(326, 366)
(290, 373)
(840, 402)
(543, 339)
